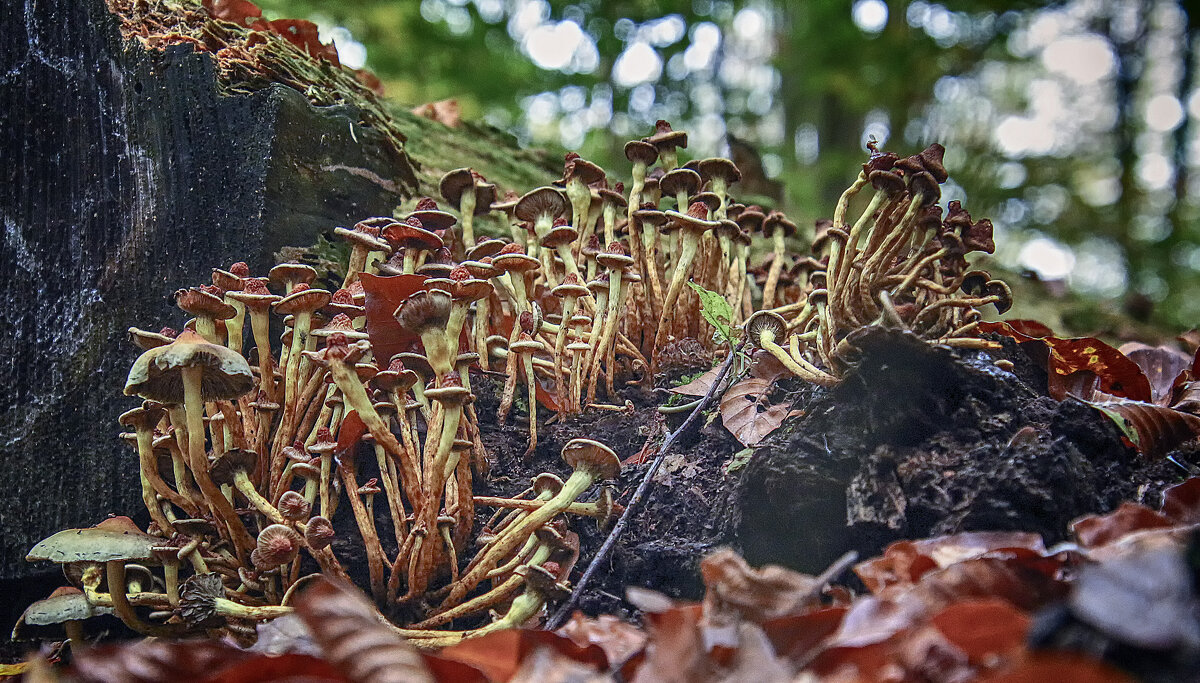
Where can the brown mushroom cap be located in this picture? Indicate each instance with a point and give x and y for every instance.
(777, 221)
(230, 462)
(277, 544)
(1000, 290)
(563, 234)
(412, 234)
(319, 533)
(719, 167)
(666, 138)
(541, 201)
(692, 220)
(201, 303)
(363, 239)
(293, 273)
(146, 340)
(578, 168)
(198, 600)
(157, 373)
(488, 247)
(764, 321)
(424, 310)
(294, 507)
(641, 152)
(680, 180)
(303, 300)
(592, 455)
(547, 482)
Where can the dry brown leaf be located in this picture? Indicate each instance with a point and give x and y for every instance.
(905, 562)
(736, 591)
(446, 112)
(1160, 364)
(698, 386)
(501, 654)
(746, 413)
(348, 629)
(1153, 429)
(1097, 530)
(619, 639)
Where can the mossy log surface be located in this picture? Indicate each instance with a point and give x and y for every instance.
(129, 173)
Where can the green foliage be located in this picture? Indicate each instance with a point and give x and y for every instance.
(717, 311)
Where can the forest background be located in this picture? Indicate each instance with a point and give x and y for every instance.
(1071, 125)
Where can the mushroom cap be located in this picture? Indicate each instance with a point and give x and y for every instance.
(764, 321)
(254, 295)
(563, 234)
(455, 183)
(64, 604)
(157, 374)
(319, 533)
(96, 544)
(515, 262)
(198, 600)
(200, 303)
(222, 469)
(691, 222)
(708, 199)
(578, 168)
(146, 340)
(363, 239)
(719, 167)
(451, 391)
(1003, 293)
(425, 310)
(545, 200)
(195, 528)
(433, 219)
(466, 358)
(294, 507)
(547, 482)
(230, 282)
(483, 270)
(542, 581)
(615, 257)
(592, 455)
(527, 345)
(665, 138)
(751, 219)
(650, 216)
(612, 196)
(144, 416)
(488, 247)
(370, 488)
(412, 235)
(399, 380)
(292, 272)
(303, 301)
(415, 362)
(680, 180)
(570, 287)
(276, 544)
(777, 221)
(974, 282)
(341, 323)
(641, 152)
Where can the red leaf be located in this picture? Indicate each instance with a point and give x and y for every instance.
(1153, 429)
(384, 296)
(984, 628)
(1117, 374)
(240, 12)
(1060, 667)
(797, 637)
(265, 668)
(351, 431)
(1181, 503)
(1026, 328)
(1097, 530)
(905, 562)
(304, 35)
(500, 654)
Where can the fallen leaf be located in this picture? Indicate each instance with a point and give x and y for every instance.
(735, 591)
(384, 295)
(445, 112)
(698, 386)
(1060, 667)
(1161, 365)
(351, 431)
(1181, 503)
(240, 12)
(304, 35)
(984, 629)
(499, 654)
(1096, 530)
(905, 562)
(745, 413)
(619, 639)
(1153, 429)
(351, 634)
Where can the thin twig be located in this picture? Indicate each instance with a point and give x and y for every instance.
(559, 617)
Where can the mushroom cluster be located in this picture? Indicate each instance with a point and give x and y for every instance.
(249, 445)
(248, 448)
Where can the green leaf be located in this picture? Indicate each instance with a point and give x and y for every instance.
(716, 310)
(739, 460)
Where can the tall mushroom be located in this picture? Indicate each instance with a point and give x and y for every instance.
(192, 371)
(466, 190)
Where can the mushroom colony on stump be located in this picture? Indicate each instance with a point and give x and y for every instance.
(251, 447)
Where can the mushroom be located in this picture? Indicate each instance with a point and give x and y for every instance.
(541, 208)
(667, 142)
(778, 227)
(413, 238)
(763, 328)
(616, 261)
(693, 225)
(591, 461)
(68, 606)
(203, 604)
(364, 238)
(257, 300)
(466, 190)
(114, 546)
(578, 173)
(206, 303)
(524, 348)
(192, 371)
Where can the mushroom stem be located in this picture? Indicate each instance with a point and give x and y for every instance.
(193, 406)
(582, 509)
(370, 537)
(615, 294)
(236, 610)
(124, 610)
(776, 268)
(466, 212)
(531, 387)
(687, 254)
(395, 505)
